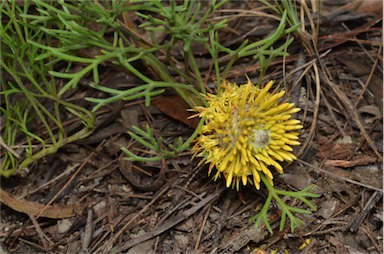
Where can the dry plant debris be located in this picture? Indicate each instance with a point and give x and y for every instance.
(334, 73)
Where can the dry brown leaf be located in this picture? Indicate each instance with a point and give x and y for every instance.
(363, 160)
(362, 6)
(33, 208)
(175, 107)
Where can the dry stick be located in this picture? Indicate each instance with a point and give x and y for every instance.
(322, 232)
(178, 206)
(369, 77)
(197, 196)
(100, 240)
(251, 206)
(98, 172)
(347, 36)
(67, 171)
(214, 251)
(329, 107)
(347, 205)
(370, 235)
(299, 71)
(339, 177)
(351, 110)
(43, 237)
(367, 208)
(202, 227)
(156, 244)
(311, 133)
(310, 44)
(9, 149)
(168, 225)
(88, 231)
(294, 90)
(309, 247)
(108, 246)
(72, 177)
(110, 208)
(304, 35)
(34, 245)
(222, 218)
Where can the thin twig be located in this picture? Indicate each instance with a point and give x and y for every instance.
(43, 237)
(329, 107)
(168, 225)
(6, 147)
(372, 237)
(108, 246)
(156, 244)
(88, 231)
(202, 227)
(311, 134)
(350, 109)
(72, 177)
(67, 171)
(369, 77)
(223, 218)
(339, 177)
(376, 196)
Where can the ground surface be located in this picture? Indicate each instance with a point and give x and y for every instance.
(172, 206)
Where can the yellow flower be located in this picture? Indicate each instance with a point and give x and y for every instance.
(246, 130)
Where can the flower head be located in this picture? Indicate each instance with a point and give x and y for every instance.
(246, 130)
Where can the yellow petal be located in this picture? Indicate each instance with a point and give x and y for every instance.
(244, 179)
(276, 155)
(263, 91)
(229, 178)
(266, 170)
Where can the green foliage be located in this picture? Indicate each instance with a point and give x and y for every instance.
(155, 144)
(32, 107)
(274, 193)
(261, 50)
(182, 22)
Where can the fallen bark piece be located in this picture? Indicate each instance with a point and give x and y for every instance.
(348, 164)
(33, 208)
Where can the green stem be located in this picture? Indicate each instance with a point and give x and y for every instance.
(196, 70)
(53, 148)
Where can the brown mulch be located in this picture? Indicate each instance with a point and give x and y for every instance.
(86, 198)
